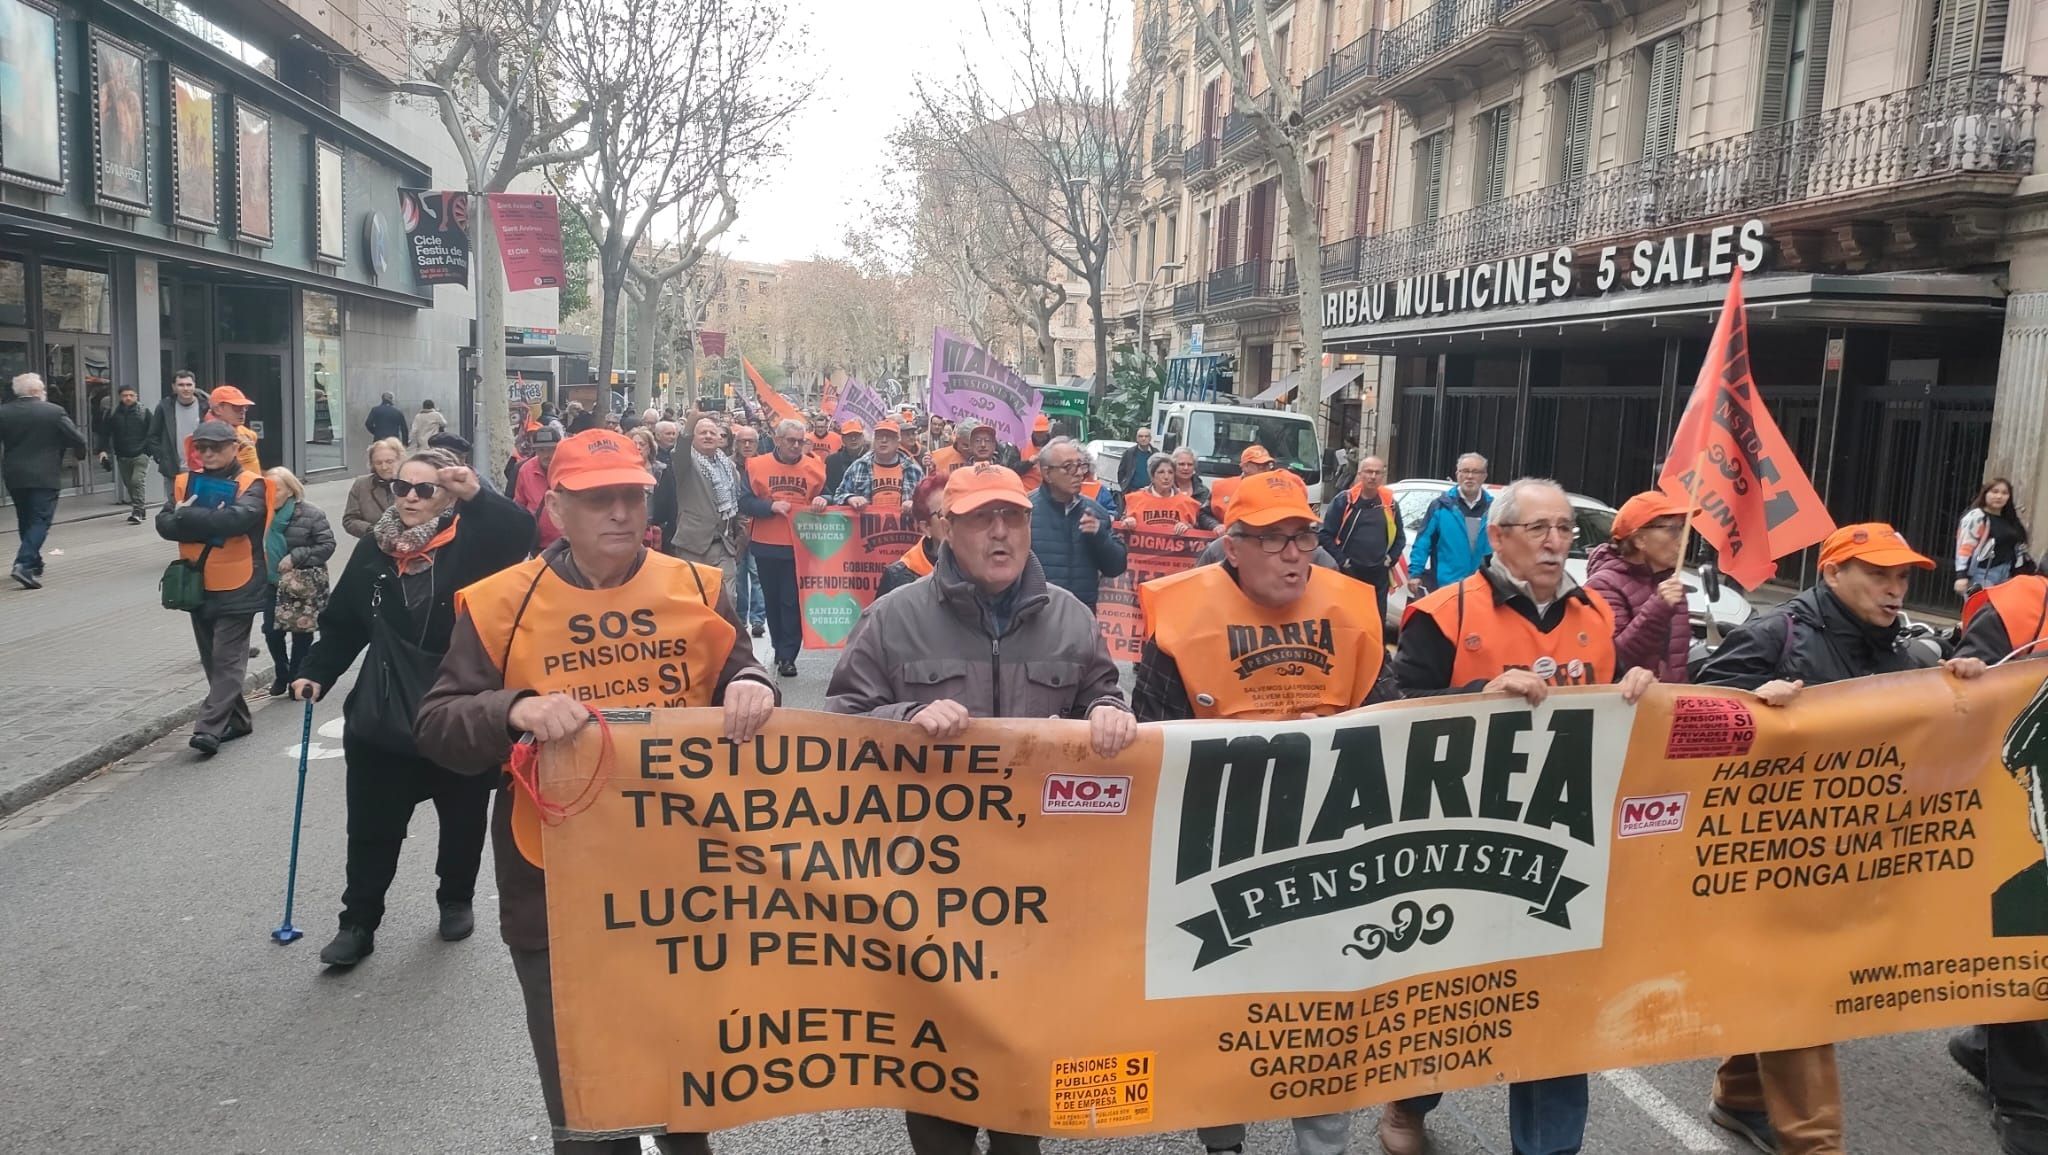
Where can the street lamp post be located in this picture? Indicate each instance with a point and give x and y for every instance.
(1144, 333)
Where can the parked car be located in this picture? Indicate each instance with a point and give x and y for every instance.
(1108, 457)
(1596, 524)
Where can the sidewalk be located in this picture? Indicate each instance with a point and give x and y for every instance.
(92, 668)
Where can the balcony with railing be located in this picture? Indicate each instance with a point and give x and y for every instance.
(1167, 151)
(1198, 163)
(1448, 34)
(1205, 51)
(1346, 73)
(1913, 154)
(1254, 288)
(1187, 301)
(1340, 261)
(1240, 129)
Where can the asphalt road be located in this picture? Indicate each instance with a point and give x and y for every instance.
(143, 1006)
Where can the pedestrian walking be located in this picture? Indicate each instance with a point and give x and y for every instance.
(499, 681)
(1453, 543)
(1519, 626)
(218, 520)
(1637, 573)
(1362, 529)
(1991, 541)
(232, 406)
(35, 436)
(530, 490)
(1846, 626)
(1071, 535)
(1267, 582)
(386, 419)
(371, 495)
(1133, 472)
(395, 605)
(965, 643)
(171, 424)
(880, 476)
(296, 547)
(124, 446)
(697, 505)
(753, 604)
(425, 424)
(1162, 507)
(927, 517)
(781, 482)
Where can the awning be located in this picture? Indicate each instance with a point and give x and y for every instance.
(1278, 389)
(1336, 382)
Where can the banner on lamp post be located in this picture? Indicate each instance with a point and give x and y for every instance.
(529, 240)
(437, 234)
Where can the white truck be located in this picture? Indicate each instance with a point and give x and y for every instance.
(1218, 432)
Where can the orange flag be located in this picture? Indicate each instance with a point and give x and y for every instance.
(776, 402)
(1749, 495)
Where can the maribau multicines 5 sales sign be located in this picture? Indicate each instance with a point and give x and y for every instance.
(1236, 922)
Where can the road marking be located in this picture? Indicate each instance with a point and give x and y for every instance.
(1690, 1132)
(314, 752)
(331, 728)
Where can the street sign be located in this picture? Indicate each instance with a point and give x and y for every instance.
(1195, 339)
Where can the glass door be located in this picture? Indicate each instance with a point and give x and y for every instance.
(78, 369)
(259, 372)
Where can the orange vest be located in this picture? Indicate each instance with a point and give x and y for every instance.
(823, 446)
(1239, 659)
(1160, 514)
(773, 481)
(2022, 604)
(1092, 490)
(656, 641)
(231, 563)
(1221, 491)
(945, 459)
(1389, 505)
(916, 561)
(887, 490)
(1493, 639)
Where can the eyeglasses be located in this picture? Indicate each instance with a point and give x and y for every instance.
(425, 489)
(1539, 530)
(1305, 541)
(981, 520)
(1069, 467)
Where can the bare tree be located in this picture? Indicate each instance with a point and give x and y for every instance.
(1065, 150)
(489, 79)
(680, 109)
(1275, 117)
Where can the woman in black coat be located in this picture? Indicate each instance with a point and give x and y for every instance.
(396, 598)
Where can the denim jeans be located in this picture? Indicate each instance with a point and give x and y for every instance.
(1546, 1117)
(34, 510)
(748, 602)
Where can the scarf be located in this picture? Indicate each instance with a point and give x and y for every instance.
(413, 549)
(275, 547)
(717, 470)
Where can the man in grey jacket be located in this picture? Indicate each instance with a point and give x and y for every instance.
(34, 437)
(983, 637)
(696, 503)
(219, 520)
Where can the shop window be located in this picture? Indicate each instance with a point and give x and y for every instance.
(14, 294)
(326, 402)
(77, 300)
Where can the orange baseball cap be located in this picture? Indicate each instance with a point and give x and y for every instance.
(1873, 543)
(229, 395)
(596, 458)
(1269, 499)
(1255, 455)
(1041, 424)
(969, 487)
(887, 426)
(852, 427)
(1644, 508)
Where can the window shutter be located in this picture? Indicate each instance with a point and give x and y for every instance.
(1770, 104)
(1433, 178)
(1660, 125)
(1499, 139)
(1954, 48)
(1991, 37)
(1817, 55)
(1361, 188)
(1578, 129)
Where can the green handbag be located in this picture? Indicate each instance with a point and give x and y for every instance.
(183, 586)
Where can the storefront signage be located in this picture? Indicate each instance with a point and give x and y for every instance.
(1532, 279)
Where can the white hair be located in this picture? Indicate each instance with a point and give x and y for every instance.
(1061, 442)
(668, 427)
(1507, 504)
(30, 385)
(1183, 450)
(650, 416)
(1478, 457)
(790, 425)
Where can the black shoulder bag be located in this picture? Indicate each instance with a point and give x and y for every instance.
(397, 673)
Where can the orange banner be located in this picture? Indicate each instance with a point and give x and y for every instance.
(1152, 555)
(840, 556)
(1237, 922)
(776, 402)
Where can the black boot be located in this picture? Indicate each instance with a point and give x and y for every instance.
(351, 945)
(458, 921)
(1966, 1047)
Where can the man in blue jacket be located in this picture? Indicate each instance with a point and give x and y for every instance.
(1069, 533)
(1451, 545)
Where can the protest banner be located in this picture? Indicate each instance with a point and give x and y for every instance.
(968, 381)
(1235, 922)
(437, 231)
(529, 239)
(840, 556)
(1151, 555)
(861, 403)
(777, 404)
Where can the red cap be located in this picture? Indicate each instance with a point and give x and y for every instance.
(596, 458)
(229, 395)
(1268, 499)
(970, 487)
(1873, 543)
(1041, 424)
(1644, 508)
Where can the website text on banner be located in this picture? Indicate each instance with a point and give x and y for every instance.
(1151, 555)
(968, 381)
(529, 240)
(840, 556)
(1236, 922)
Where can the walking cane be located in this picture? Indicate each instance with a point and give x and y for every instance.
(286, 933)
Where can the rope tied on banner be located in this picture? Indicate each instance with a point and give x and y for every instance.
(524, 767)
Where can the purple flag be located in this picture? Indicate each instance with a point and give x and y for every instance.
(968, 381)
(859, 402)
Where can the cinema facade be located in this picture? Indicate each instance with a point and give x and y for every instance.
(1898, 327)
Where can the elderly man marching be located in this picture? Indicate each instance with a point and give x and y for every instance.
(779, 483)
(1267, 579)
(496, 684)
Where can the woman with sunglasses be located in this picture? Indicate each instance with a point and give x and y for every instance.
(396, 599)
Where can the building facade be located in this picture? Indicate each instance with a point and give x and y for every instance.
(214, 188)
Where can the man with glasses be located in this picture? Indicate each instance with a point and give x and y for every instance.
(1453, 544)
(1069, 532)
(788, 479)
(1520, 626)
